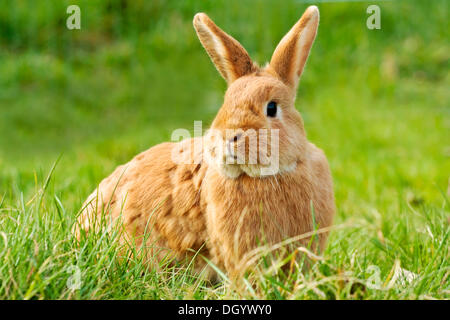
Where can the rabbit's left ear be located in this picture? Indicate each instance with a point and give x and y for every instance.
(291, 54)
(227, 54)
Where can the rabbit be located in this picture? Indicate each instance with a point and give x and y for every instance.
(209, 203)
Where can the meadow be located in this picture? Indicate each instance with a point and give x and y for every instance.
(74, 104)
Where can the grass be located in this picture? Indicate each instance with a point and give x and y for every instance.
(376, 101)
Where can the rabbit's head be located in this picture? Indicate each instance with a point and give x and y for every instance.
(258, 131)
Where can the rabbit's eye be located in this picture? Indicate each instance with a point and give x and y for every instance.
(272, 109)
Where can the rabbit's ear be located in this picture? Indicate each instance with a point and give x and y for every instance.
(229, 57)
(291, 54)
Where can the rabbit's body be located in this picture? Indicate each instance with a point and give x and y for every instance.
(151, 195)
(220, 209)
(185, 208)
(245, 212)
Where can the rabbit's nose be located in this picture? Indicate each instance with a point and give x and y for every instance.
(235, 138)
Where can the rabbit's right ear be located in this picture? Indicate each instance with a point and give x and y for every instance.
(227, 54)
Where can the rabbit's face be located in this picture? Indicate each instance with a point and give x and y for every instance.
(258, 131)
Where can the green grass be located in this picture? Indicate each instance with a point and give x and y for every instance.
(376, 101)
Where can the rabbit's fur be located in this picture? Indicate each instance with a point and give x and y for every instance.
(220, 210)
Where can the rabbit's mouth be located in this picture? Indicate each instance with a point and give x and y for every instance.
(241, 153)
(233, 170)
(232, 163)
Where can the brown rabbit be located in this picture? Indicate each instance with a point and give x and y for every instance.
(208, 195)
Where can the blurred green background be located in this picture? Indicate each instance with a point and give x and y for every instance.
(377, 101)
